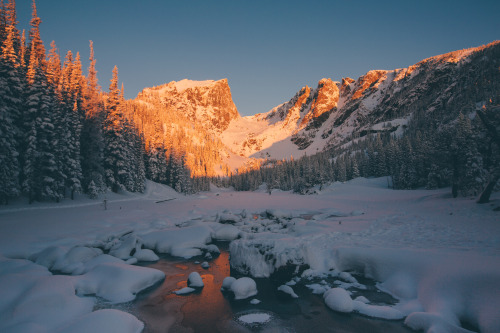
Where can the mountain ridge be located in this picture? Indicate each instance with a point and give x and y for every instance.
(334, 112)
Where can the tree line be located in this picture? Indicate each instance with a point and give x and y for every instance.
(60, 134)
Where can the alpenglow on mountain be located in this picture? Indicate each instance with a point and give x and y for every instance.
(330, 115)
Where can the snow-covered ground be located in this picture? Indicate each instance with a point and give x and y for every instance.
(438, 256)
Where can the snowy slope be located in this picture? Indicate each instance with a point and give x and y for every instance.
(331, 114)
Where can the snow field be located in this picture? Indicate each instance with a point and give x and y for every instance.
(437, 256)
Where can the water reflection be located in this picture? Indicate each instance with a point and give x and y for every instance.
(209, 310)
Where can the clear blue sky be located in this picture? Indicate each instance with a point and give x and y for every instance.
(267, 50)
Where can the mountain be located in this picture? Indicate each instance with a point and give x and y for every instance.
(208, 103)
(334, 113)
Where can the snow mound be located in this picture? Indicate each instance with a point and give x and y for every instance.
(184, 242)
(244, 287)
(339, 300)
(117, 282)
(106, 320)
(146, 255)
(226, 232)
(227, 282)
(195, 280)
(287, 290)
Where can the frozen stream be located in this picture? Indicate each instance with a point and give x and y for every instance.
(210, 310)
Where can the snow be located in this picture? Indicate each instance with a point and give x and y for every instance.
(253, 318)
(288, 290)
(180, 242)
(244, 287)
(255, 301)
(146, 255)
(437, 256)
(227, 282)
(338, 300)
(184, 291)
(195, 280)
(106, 320)
(226, 233)
(189, 84)
(117, 282)
(205, 265)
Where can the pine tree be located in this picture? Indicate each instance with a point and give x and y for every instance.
(115, 154)
(36, 47)
(10, 103)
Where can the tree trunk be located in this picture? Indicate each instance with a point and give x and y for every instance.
(485, 196)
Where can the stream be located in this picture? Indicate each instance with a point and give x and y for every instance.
(211, 310)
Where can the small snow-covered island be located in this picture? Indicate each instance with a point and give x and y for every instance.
(352, 205)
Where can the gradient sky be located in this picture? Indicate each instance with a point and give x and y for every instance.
(267, 50)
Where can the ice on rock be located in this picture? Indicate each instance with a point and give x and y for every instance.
(229, 218)
(205, 265)
(362, 299)
(244, 287)
(317, 288)
(125, 247)
(146, 255)
(288, 290)
(195, 280)
(184, 242)
(106, 320)
(184, 291)
(227, 282)
(72, 262)
(117, 282)
(131, 261)
(226, 232)
(378, 311)
(49, 256)
(212, 248)
(338, 299)
(254, 318)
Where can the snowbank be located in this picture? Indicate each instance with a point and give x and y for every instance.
(117, 282)
(242, 288)
(184, 242)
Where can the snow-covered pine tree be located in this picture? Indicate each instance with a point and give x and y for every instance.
(92, 137)
(10, 104)
(115, 148)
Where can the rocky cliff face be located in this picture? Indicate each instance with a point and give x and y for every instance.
(381, 100)
(335, 113)
(205, 102)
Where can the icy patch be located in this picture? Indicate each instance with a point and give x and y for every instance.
(253, 318)
(184, 291)
(255, 301)
(378, 311)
